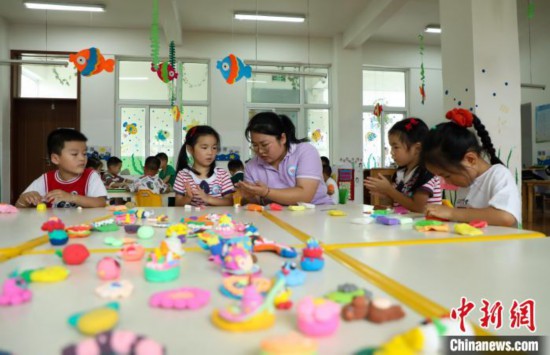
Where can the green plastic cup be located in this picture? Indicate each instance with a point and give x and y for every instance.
(343, 196)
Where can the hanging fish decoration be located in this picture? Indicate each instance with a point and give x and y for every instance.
(90, 62)
(165, 71)
(233, 69)
(378, 109)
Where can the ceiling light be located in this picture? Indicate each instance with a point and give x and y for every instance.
(433, 29)
(269, 17)
(64, 7)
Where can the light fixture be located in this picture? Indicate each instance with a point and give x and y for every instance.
(252, 16)
(64, 6)
(433, 29)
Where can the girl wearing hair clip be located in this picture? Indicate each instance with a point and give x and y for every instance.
(452, 151)
(412, 186)
(198, 181)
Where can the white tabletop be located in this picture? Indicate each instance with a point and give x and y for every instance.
(501, 270)
(44, 319)
(328, 229)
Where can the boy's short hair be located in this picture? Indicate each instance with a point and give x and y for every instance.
(235, 164)
(56, 139)
(94, 163)
(162, 156)
(152, 163)
(113, 161)
(327, 170)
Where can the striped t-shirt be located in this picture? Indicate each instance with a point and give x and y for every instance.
(405, 183)
(217, 185)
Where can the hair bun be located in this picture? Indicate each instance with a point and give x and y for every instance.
(461, 117)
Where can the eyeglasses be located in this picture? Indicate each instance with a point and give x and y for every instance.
(261, 147)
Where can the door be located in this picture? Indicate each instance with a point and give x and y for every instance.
(32, 120)
(526, 136)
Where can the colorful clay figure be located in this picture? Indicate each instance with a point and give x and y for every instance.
(275, 207)
(318, 317)
(178, 230)
(233, 69)
(106, 225)
(433, 228)
(238, 261)
(357, 309)
(261, 244)
(312, 256)
(41, 207)
(5, 208)
(478, 223)
(90, 62)
(56, 231)
(143, 214)
(46, 274)
(131, 228)
(97, 320)
(74, 254)
(388, 221)
(292, 275)
(163, 264)
(468, 230)
(345, 293)
(233, 286)
(253, 313)
(427, 338)
(283, 300)
(182, 298)
(132, 252)
(291, 344)
(381, 310)
(125, 218)
(79, 231)
(145, 232)
(296, 208)
(116, 342)
(108, 269)
(115, 289)
(14, 291)
(254, 208)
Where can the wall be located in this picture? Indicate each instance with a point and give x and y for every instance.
(4, 115)
(534, 61)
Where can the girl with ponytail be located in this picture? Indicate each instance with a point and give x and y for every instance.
(285, 169)
(198, 181)
(453, 152)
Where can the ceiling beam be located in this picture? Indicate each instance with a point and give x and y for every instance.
(171, 24)
(375, 14)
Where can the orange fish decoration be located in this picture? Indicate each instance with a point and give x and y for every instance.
(91, 62)
(422, 93)
(378, 109)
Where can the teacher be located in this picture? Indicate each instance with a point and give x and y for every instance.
(285, 170)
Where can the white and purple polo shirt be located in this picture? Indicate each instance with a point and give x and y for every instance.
(302, 161)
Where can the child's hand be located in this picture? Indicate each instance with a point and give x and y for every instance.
(202, 195)
(378, 184)
(440, 211)
(59, 195)
(31, 198)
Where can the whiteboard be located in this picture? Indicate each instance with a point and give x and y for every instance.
(542, 128)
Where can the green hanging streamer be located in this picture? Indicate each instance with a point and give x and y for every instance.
(155, 36)
(172, 54)
(422, 86)
(530, 10)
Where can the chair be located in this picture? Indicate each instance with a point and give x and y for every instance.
(370, 199)
(146, 198)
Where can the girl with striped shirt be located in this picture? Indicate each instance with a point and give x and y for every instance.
(412, 186)
(198, 181)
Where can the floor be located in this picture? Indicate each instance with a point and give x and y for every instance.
(541, 222)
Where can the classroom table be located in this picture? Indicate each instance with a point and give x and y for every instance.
(498, 271)
(342, 230)
(44, 319)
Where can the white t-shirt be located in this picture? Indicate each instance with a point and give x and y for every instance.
(494, 188)
(335, 196)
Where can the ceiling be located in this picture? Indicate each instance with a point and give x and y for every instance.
(326, 17)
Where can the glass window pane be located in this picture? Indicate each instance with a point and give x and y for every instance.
(318, 130)
(48, 80)
(274, 88)
(389, 120)
(161, 131)
(132, 139)
(386, 87)
(194, 78)
(316, 91)
(138, 82)
(193, 116)
(372, 142)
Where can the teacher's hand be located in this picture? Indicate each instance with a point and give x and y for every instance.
(253, 188)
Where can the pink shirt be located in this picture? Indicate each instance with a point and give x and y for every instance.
(302, 161)
(219, 184)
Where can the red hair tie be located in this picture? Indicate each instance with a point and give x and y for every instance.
(461, 117)
(192, 131)
(412, 122)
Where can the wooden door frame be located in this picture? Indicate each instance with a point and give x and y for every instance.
(14, 92)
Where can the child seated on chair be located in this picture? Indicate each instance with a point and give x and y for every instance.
(71, 184)
(150, 180)
(110, 178)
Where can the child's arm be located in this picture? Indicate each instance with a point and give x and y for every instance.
(304, 191)
(381, 185)
(166, 179)
(226, 200)
(492, 215)
(84, 201)
(182, 200)
(28, 199)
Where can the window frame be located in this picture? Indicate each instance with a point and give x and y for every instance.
(403, 110)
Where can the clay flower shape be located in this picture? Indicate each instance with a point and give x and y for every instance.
(53, 224)
(181, 298)
(14, 292)
(115, 289)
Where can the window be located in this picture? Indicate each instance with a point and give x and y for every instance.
(304, 99)
(47, 81)
(386, 88)
(146, 124)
